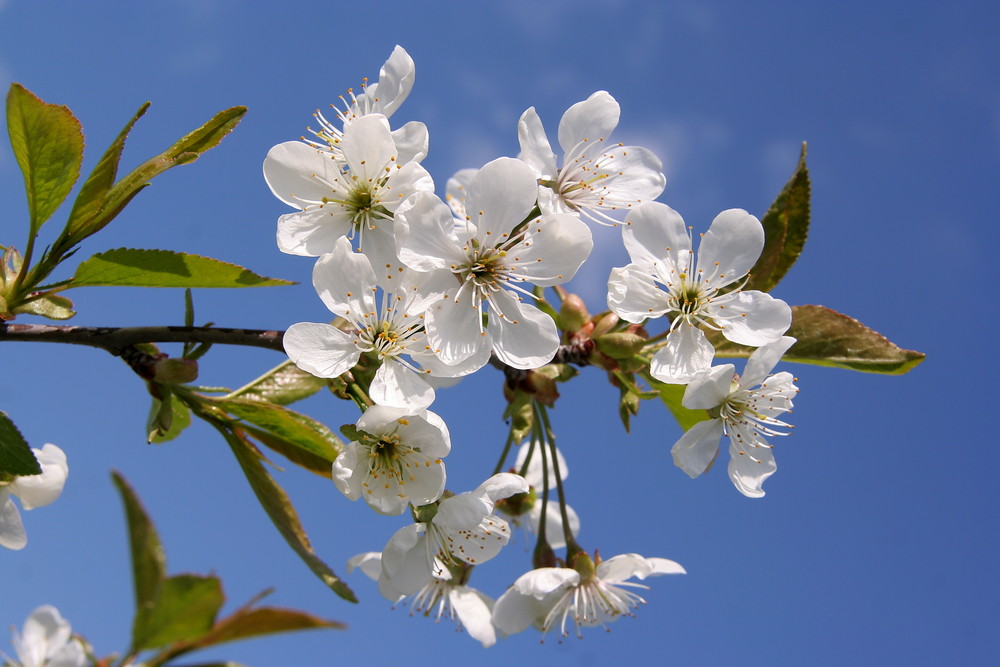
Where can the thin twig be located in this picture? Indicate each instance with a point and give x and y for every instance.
(116, 339)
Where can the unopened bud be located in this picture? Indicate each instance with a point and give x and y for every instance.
(620, 344)
(573, 314)
(175, 371)
(603, 324)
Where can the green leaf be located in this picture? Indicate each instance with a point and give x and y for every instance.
(184, 610)
(86, 216)
(255, 622)
(284, 384)
(48, 144)
(671, 395)
(167, 418)
(16, 457)
(828, 338)
(280, 509)
(786, 225)
(149, 562)
(128, 267)
(305, 432)
(185, 150)
(52, 306)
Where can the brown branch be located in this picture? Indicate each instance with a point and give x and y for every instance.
(116, 339)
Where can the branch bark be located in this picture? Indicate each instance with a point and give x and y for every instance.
(116, 339)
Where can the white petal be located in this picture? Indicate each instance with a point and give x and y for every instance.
(481, 543)
(623, 567)
(474, 613)
(320, 349)
(763, 360)
(12, 535)
(533, 475)
(553, 523)
(665, 566)
(368, 147)
(655, 234)
(502, 485)
(462, 512)
(752, 318)
(515, 612)
(411, 142)
(455, 190)
(592, 119)
(504, 191)
(45, 632)
(395, 80)
(525, 337)
(397, 386)
(454, 328)
(291, 168)
(710, 388)
(312, 233)
(634, 296)
(695, 452)
(540, 582)
(554, 247)
(635, 175)
(746, 473)
(39, 490)
(440, 370)
(687, 351)
(405, 565)
(535, 149)
(425, 234)
(345, 282)
(735, 240)
(369, 562)
(346, 474)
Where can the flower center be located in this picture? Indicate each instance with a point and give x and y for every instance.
(486, 269)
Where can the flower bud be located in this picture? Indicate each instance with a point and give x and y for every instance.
(573, 314)
(175, 371)
(620, 344)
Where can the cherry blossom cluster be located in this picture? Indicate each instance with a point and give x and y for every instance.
(427, 290)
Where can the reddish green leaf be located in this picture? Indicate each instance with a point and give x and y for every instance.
(183, 611)
(149, 562)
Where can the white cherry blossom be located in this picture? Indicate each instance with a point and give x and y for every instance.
(353, 194)
(554, 597)
(33, 491)
(745, 408)
(492, 255)
(692, 292)
(596, 177)
(463, 528)
(395, 461)
(442, 597)
(384, 97)
(47, 641)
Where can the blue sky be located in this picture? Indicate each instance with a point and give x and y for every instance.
(877, 540)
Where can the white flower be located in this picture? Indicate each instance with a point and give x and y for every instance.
(595, 176)
(33, 491)
(442, 597)
(660, 248)
(548, 597)
(491, 256)
(47, 641)
(396, 461)
(353, 194)
(463, 529)
(741, 410)
(387, 332)
(394, 85)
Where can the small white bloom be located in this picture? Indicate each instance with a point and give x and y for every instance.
(390, 332)
(33, 491)
(463, 529)
(491, 255)
(397, 461)
(741, 410)
(550, 597)
(47, 641)
(660, 248)
(596, 176)
(353, 194)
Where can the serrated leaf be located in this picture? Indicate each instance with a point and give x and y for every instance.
(184, 610)
(91, 201)
(187, 149)
(52, 306)
(672, 395)
(16, 457)
(284, 384)
(828, 338)
(128, 267)
(298, 430)
(149, 562)
(786, 225)
(280, 509)
(47, 140)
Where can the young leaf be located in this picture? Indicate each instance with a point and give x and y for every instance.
(672, 395)
(786, 225)
(48, 144)
(296, 429)
(184, 610)
(283, 384)
(280, 509)
(149, 562)
(128, 267)
(90, 202)
(52, 306)
(254, 622)
(828, 338)
(16, 457)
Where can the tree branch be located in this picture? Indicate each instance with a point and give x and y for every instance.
(116, 339)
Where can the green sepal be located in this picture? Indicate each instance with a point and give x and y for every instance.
(16, 457)
(129, 267)
(786, 225)
(828, 338)
(52, 306)
(47, 141)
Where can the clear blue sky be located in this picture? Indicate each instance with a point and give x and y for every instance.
(877, 540)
